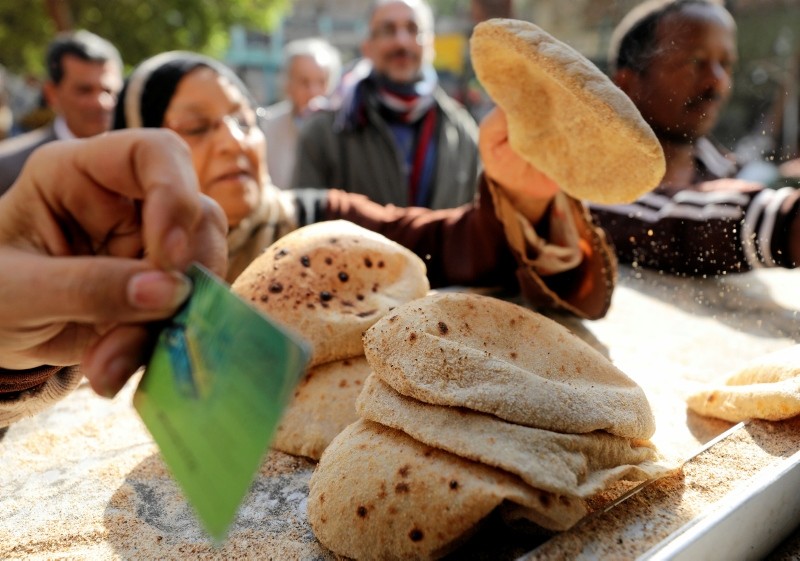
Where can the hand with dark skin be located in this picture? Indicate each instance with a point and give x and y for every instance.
(94, 236)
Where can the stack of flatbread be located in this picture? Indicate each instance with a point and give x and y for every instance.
(768, 388)
(329, 282)
(475, 404)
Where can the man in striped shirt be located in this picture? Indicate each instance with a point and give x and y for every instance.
(674, 58)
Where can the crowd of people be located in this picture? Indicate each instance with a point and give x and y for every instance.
(196, 170)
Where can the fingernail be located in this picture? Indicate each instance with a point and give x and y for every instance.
(158, 290)
(177, 247)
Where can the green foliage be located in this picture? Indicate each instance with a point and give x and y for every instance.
(449, 7)
(139, 28)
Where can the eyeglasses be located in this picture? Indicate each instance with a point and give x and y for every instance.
(390, 30)
(198, 127)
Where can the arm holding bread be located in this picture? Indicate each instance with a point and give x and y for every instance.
(93, 238)
(564, 260)
(520, 232)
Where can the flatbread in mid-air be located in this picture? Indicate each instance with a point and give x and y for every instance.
(565, 116)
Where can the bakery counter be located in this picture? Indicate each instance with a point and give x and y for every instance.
(671, 334)
(85, 480)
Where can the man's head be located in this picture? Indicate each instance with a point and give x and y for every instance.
(674, 58)
(312, 68)
(84, 78)
(400, 38)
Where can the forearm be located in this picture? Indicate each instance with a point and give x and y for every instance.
(696, 233)
(564, 260)
(460, 246)
(482, 245)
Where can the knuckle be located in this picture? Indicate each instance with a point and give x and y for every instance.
(96, 291)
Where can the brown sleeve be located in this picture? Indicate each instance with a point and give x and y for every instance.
(15, 381)
(26, 392)
(460, 246)
(585, 290)
(469, 246)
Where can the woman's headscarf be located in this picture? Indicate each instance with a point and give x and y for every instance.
(150, 87)
(143, 103)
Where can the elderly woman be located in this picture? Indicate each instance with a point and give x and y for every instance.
(522, 228)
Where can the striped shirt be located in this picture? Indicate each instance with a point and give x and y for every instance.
(704, 233)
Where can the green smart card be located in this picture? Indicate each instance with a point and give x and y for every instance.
(213, 393)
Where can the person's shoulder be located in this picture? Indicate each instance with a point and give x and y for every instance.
(277, 110)
(447, 102)
(26, 143)
(320, 119)
(455, 111)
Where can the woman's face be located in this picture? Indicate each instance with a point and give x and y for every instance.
(228, 149)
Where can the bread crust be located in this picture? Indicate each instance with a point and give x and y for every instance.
(330, 282)
(323, 404)
(565, 116)
(495, 357)
(766, 388)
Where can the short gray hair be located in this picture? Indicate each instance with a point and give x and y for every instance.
(324, 54)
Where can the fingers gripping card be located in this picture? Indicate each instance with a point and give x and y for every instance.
(213, 393)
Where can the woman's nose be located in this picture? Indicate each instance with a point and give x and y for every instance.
(231, 130)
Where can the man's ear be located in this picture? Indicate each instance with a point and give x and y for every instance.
(49, 90)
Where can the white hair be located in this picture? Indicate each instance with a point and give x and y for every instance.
(420, 7)
(324, 54)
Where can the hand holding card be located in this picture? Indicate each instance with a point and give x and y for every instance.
(213, 393)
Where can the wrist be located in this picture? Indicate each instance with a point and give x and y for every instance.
(15, 381)
(531, 204)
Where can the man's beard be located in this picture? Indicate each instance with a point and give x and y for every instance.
(404, 53)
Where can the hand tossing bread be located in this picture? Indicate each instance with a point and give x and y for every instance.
(564, 115)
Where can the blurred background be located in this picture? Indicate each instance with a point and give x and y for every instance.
(249, 35)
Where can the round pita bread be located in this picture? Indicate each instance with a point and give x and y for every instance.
(331, 281)
(492, 356)
(379, 494)
(324, 403)
(564, 115)
(766, 388)
(578, 465)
